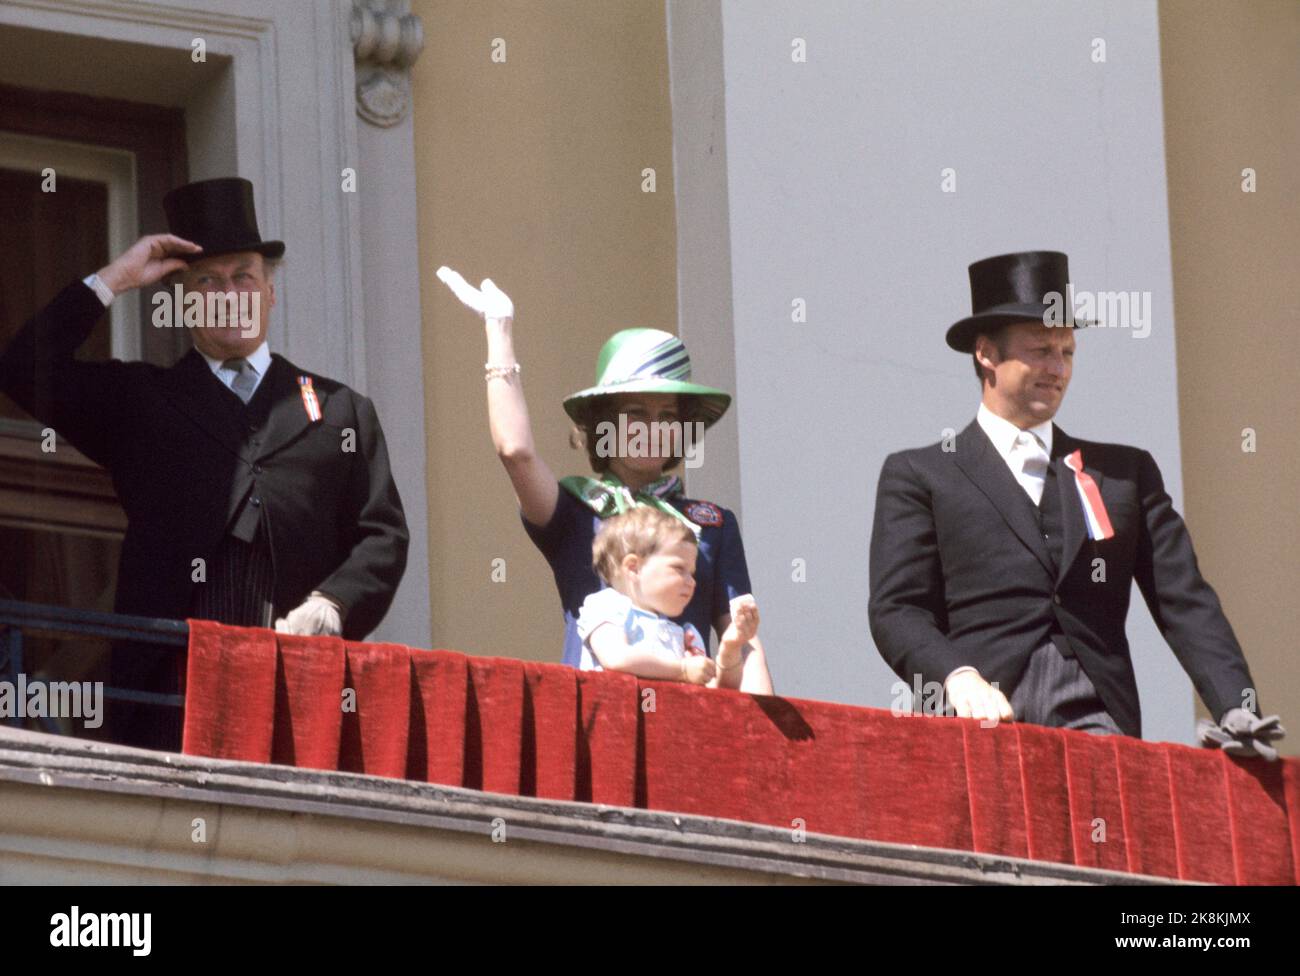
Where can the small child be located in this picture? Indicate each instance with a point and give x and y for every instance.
(648, 560)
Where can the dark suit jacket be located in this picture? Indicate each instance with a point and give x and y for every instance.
(960, 574)
(183, 462)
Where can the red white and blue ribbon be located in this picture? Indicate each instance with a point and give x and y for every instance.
(309, 401)
(1094, 509)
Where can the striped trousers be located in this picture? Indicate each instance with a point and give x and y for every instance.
(239, 589)
(240, 584)
(1057, 692)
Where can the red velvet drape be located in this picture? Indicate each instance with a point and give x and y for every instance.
(547, 730)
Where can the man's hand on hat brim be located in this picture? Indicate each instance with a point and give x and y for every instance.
(148, 260)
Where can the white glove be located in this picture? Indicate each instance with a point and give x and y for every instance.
(317, 615)
(488, 300)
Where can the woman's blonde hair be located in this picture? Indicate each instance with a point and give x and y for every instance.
(642, 532)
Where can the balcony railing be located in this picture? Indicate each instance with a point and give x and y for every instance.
(19, 619)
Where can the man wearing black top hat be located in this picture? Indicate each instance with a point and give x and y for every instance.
(257, 493)
(1002, 561)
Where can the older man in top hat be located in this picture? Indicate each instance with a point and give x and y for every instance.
(257, 493)
(1002, 562)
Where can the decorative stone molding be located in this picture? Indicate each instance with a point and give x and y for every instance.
(70, 811)
(386, 40)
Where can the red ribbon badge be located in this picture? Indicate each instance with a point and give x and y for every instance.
(309, 401)
(1094, 509)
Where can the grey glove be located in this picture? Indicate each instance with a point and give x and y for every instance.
(1242, 733)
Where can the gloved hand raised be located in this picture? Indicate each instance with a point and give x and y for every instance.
(488, 300)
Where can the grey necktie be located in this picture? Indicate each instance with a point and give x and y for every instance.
(245, 378)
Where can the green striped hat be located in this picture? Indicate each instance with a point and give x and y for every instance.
(647, 361)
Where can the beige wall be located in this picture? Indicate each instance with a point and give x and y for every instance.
(1231, 76)
(529, 172)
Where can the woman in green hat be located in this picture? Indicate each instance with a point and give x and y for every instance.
(643, 391)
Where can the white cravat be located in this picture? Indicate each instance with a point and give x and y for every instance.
(1032, 460)
(1026, 452)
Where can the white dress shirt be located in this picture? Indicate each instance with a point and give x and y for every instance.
(259, 359)
(95, 284)
(1015, 447)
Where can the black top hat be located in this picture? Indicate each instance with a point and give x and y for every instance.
(1011, 288)
(218, 216)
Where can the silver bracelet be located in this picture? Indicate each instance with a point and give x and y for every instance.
(491, 371)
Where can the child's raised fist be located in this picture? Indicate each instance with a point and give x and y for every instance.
(744, 618)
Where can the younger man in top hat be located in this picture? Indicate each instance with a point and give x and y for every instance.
(985, 553)
(256, 493)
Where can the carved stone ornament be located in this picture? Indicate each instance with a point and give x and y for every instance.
(386, 40)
